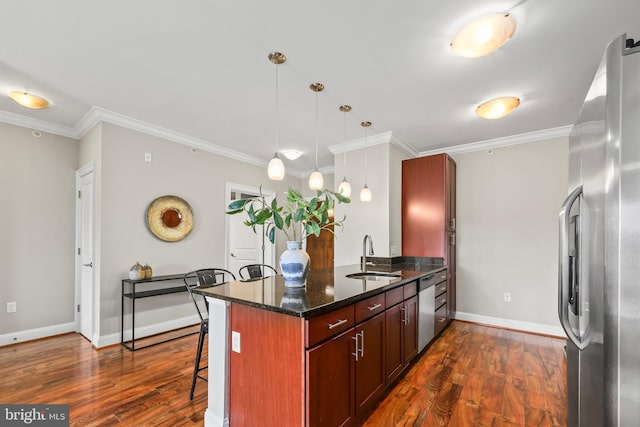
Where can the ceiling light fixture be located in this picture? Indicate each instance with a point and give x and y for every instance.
(365, 193)
(275, 170)
(291, 154)
(483, 35)
(498, 107)
(29, 100)
(316, 181)
(345, 187)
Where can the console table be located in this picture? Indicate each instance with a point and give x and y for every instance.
(144, 288)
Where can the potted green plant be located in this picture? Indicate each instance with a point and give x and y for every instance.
(297, 218)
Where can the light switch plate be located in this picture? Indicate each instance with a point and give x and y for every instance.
(11, 307)
(147, 157)
(235, 341)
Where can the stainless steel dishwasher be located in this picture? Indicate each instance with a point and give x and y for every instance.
(426, 309)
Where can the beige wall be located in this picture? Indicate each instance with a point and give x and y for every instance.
(129, 184)
(37, 228)
(381, 217)
(507, 208)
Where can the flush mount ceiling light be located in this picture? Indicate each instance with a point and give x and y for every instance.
(345, 187)
(484, 35)
(498, 107)
(316, 181)
(291, 154)
(28, 100)
(275, 170)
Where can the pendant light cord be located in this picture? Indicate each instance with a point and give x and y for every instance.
(277, 112)
(365, 156)
(344, 141)
(316, 130)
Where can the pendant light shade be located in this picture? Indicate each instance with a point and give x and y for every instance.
(316, 181)
(275, 170)
(365, 194)
(345, 188)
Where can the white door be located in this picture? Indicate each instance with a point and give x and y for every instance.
(243, 245)
(85, 262)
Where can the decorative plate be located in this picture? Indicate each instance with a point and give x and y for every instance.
(170, 218)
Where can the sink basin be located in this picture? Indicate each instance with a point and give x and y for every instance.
(372, 275)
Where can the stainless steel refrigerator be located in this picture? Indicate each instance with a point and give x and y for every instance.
(599, 269)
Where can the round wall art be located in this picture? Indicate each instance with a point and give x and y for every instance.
(170, 218)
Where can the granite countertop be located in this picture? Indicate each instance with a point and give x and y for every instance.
(326, 290)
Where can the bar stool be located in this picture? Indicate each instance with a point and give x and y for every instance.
(204, 277)
(256, 271)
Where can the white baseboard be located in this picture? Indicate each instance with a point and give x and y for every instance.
(34, 334)
(518, 325)
(147, 330)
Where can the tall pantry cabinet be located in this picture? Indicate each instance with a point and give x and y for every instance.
(429, 214)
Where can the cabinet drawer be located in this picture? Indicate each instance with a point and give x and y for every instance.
(369, 307)
(410, 289)
(322, 327)
(394, 296)
(440, 288)
(441, 300)
(440, 319)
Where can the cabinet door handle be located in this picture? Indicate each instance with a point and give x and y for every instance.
(443, 288)
(355, 338)
(404, 314)
(442, 319)
(452, 239)
(374, 307)
(338, 323)
(361, 343)
(443, 300)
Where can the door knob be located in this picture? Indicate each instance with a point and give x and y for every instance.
(88, 265)
(233, 255)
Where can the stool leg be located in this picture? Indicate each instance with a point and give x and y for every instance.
(198, 356)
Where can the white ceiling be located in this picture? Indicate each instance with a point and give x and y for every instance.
(198, 70)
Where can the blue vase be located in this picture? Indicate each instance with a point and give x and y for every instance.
(294, 265)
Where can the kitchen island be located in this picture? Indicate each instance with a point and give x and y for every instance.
(318, 355)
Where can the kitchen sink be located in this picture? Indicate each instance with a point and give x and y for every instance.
(373, 275)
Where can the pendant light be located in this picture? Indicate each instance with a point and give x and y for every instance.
(365, 193)
(316, 181)
(275, 170)
(345, 187)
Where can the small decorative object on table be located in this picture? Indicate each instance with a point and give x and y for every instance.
(148, 271)
(297, 218)
(136, 272)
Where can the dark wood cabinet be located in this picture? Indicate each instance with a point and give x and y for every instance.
(370, 379)
(410, 330)
(330, 382)
(429, 214)
(401, 335)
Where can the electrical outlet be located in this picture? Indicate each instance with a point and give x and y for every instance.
(507, 297)
(235, 341)
(11, 307)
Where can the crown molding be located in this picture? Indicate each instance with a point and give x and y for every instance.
(41, 125)
(523, 138)
(377, 139)
(97, 114)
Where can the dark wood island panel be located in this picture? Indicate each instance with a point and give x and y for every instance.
(267, 376)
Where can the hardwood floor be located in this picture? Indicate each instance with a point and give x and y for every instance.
(474, 375)
(471, 376)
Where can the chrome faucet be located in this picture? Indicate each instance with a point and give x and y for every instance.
(364, 251)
